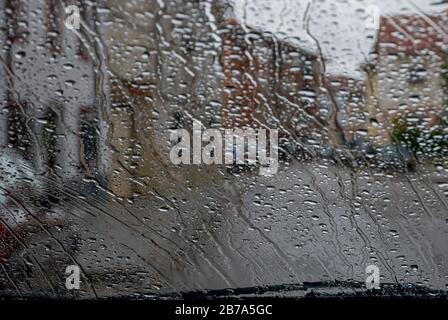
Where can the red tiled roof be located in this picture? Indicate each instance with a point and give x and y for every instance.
(413, 33)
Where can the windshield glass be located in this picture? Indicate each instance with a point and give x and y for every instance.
(157, 148)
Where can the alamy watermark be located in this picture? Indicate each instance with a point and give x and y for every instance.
(73, 21)
(73, 279)
(229, 146)
(373, 278)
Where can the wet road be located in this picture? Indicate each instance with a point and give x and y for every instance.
(309, 223)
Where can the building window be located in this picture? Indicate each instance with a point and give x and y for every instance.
(417, 75)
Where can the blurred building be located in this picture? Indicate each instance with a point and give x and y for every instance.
(164, 66)
(271, 82)
(49, 96)
(350, 95)
(405, 74)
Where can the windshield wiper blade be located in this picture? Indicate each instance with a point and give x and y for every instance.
(305, 290)
(309, 290)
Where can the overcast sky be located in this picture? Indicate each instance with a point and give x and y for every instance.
(340, 25)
